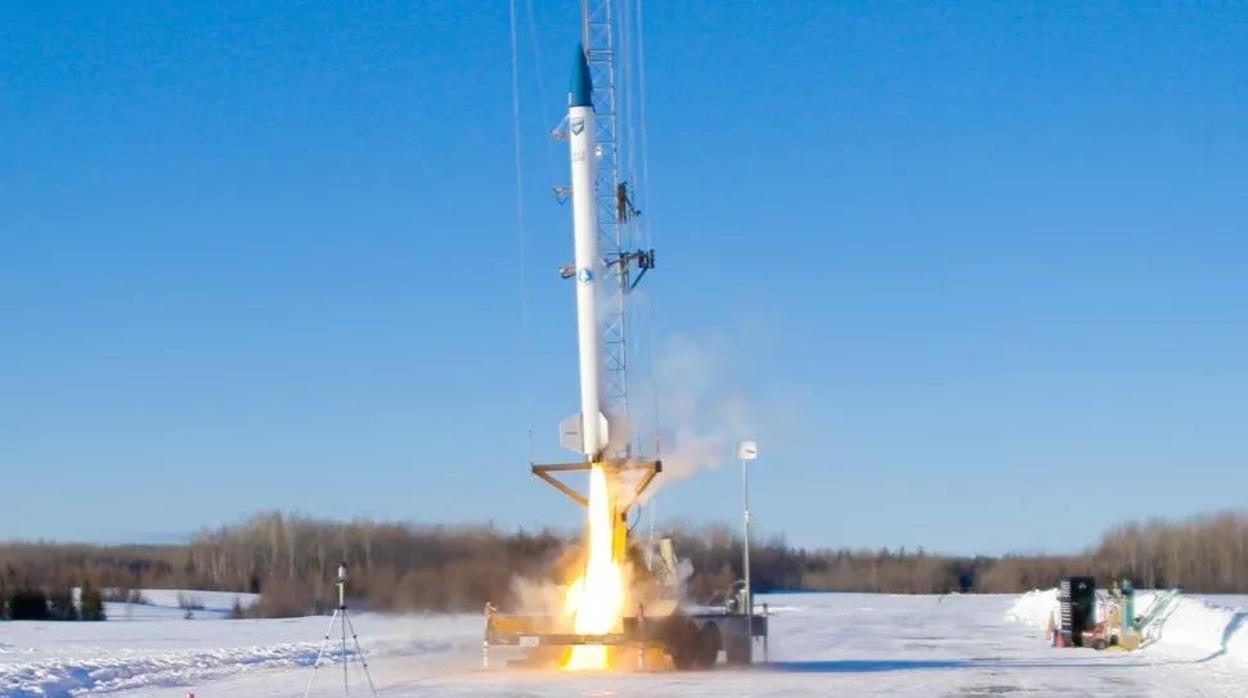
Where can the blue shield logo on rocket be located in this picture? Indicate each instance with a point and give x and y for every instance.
(577, 125)
(584, 275)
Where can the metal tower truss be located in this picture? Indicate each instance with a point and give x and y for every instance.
(615, 211)
(598, 40)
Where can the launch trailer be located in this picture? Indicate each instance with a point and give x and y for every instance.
(688, 639)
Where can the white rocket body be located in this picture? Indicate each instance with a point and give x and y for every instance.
(588, 264)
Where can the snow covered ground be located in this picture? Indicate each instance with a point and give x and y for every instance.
(164, 604)
(822, 644)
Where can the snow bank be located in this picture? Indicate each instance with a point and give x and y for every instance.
(167, 604)
(1196, 626)
(155, 655)
(1200, 625)
(1034, 607)
(204, 600)
(57, 677)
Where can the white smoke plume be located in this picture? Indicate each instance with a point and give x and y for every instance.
(537, 596)
(702, 409)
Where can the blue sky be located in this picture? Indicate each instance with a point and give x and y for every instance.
(952, 257)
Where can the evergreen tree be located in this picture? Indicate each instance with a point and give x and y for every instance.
(61, 604)
(91, 603)
(28, 604)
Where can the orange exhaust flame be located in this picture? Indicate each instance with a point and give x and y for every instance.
(596, 598)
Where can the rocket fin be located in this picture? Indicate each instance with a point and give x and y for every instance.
(570, 433)
(571, 438)
(604, 431)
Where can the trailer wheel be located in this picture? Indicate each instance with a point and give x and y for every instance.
(683, 642)
(682, 660)
(708, 646)
(738, 649)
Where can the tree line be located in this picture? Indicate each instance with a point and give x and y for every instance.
(30, 601)
(291, 561)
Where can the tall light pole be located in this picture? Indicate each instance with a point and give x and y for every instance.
(746, 452)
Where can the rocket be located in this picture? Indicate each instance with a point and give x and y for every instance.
(588, 266)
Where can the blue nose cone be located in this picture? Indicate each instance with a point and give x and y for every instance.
(581, 92)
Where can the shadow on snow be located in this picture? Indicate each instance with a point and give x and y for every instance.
(1232, 627)
(867, 665)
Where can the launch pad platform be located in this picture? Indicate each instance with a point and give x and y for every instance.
(685, 639)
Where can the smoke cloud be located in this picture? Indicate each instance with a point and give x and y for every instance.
(537, 596)
(703, 410)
